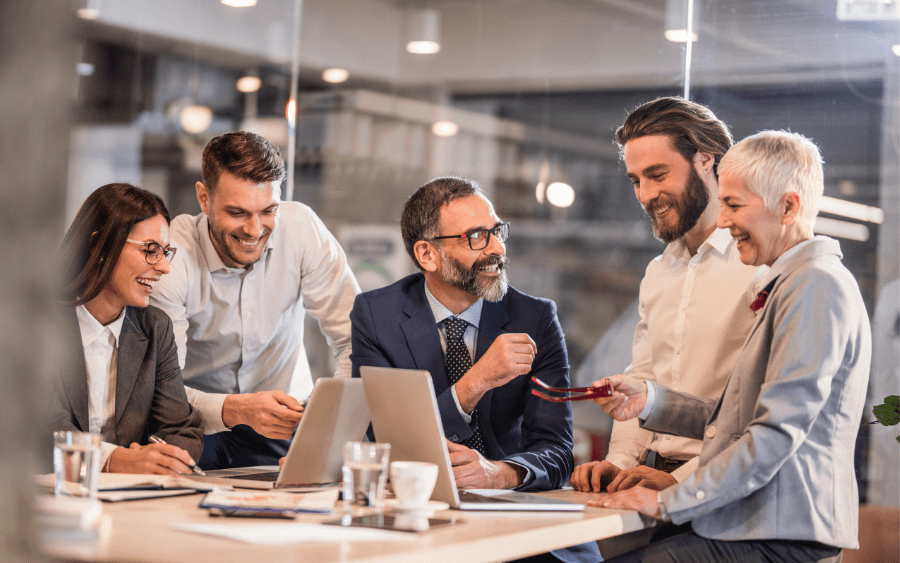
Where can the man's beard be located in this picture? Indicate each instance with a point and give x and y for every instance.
(221, 239)
(489, 288)
(689, 207)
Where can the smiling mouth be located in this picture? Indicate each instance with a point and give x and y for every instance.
(660, 211)
(740, 238)
(249, 244)
(146, 283)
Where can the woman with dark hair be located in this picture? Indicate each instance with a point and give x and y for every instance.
(126, 384)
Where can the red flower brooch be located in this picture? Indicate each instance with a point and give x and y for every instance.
(762, 296)
(759, 301)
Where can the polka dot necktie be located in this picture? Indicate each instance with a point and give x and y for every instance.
(458, 362)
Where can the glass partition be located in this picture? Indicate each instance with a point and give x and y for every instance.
(523, 96)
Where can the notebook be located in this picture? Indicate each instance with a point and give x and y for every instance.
(405, 414)
(336, 413)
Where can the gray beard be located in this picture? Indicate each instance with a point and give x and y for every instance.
(467, 279)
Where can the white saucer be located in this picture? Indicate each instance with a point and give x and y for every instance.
(431, 506)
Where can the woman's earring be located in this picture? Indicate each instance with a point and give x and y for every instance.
(101, 259)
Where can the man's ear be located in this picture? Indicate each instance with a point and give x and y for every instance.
(202, 196)
(704, 161)
(790, 208)
(427, 255)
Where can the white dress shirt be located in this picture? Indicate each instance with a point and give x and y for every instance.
(101, 347)
(694, 317)
(240, 330)
(472, 315)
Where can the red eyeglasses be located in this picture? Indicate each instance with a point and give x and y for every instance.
(574, 393)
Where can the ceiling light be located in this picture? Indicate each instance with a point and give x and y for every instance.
(335, 75)
(196, 119)
(239, 3)
(679, 35)
(841, 229)
(560, 194)
(423, 32)
(676, 22)
(88, 13)
(248, 84)
(896, 49)
(444, 128)
(852, 210)
(423, 47)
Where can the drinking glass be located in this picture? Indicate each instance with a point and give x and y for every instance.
(76, 463)
(365, 470)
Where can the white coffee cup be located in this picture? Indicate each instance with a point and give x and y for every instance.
(412, 482)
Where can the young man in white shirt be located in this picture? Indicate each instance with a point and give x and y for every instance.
(253, 267)
(694, 298)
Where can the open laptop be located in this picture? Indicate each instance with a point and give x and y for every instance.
(405, 414)
(336, 413)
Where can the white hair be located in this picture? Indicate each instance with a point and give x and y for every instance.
(773, 163)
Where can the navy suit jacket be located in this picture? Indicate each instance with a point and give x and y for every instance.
(394, 327)
(150, 397)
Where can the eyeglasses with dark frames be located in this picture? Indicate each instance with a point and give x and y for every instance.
(480, 238)
(154, 252)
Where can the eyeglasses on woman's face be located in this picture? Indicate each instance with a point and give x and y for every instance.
(154, 252)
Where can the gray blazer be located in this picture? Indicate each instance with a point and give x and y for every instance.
(150, 397)
(777, 457)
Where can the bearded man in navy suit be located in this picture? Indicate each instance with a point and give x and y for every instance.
(500, 436)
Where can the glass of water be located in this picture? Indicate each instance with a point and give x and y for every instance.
(76, 462)
(365, 471)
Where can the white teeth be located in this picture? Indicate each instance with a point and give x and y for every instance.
(663, 210)
(146, 282)
(741, 238)
(251, 243)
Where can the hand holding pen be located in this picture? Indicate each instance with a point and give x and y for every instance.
(194, 467)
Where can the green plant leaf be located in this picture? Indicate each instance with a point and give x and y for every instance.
(888, 414)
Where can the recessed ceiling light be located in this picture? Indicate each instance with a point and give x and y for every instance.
(896, 49)
(247, 84)
(335, 75)
(423, 47)
(679, 35)
(239, 3)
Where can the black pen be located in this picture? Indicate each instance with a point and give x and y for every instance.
(157, 440)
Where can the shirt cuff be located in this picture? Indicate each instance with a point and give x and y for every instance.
(466, 416)
(529, 474)
(106, 450)
(210, 406)
(651, 398)
(663, 513)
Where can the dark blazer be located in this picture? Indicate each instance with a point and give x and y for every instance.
(394, 327)
(150, 397)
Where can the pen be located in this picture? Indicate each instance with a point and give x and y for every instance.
(157, 440)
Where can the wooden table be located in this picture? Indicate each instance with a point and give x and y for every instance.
(142, 531)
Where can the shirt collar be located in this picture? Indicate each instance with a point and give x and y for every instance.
(472, 315)
(720, 240)
(91, 329)
(781, 263)
(213, 260)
